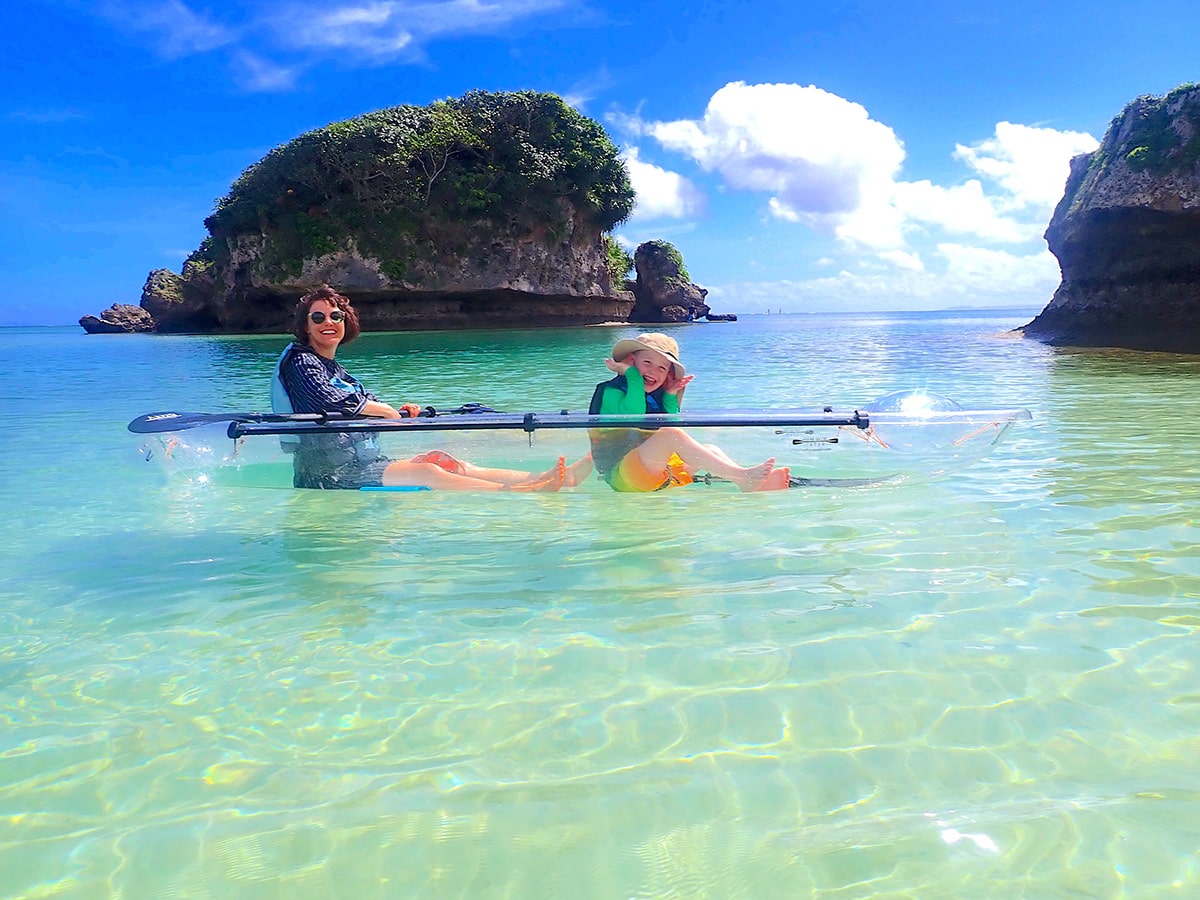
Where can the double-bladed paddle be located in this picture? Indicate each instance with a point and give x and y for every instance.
(159, 422)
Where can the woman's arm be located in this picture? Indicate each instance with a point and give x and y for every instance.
(379, 409)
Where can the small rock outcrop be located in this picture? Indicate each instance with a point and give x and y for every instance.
(178, 303)
(1127, 234)
(663, 289)
(120, 318)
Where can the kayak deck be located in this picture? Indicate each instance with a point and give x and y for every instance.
(908, 433)
(816, 453)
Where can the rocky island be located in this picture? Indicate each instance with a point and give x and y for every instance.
(1127, 234)
(489, 210)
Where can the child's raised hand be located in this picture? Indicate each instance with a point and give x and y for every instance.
(619, 367)
(676, 385)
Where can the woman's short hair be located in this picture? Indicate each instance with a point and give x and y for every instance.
(329, 295)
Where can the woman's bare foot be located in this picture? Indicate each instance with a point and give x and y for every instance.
(578, 471)
(556, 471)
(550, 480)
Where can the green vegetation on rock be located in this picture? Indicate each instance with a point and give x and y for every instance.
(619, 262)
(1156, 135)
(414, 183)
(200, 261)
(666, 252)
(165, 286)
(1164, 134)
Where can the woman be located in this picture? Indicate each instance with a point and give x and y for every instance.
(309, 380)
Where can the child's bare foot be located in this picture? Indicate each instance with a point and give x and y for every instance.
(752, 477)
(578, 471)
(550, 480)
(777, 480)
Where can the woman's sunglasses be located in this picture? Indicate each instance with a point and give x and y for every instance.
(318, 317)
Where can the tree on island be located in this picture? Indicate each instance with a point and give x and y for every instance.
(412, 183)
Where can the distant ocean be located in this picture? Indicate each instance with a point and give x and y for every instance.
(984, 684)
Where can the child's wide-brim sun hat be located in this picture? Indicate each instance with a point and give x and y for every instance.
(659, 343)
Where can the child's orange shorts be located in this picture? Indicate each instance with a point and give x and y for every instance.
(631, 475)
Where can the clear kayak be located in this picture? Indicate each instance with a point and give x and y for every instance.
(903, 435)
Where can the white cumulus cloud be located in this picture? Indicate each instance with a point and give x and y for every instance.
(814, 152)
(1030, 165)
(901, 260)
(955, 275)
(661, 194)
(975, 270)
(824, 162)
(963, 209)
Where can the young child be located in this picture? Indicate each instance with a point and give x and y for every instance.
(651, 379)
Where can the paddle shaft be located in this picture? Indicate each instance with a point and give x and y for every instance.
(536, 421)
(160, 422)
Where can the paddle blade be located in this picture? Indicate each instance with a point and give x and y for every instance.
(159, 422)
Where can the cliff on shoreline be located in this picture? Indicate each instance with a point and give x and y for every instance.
(1127, 234)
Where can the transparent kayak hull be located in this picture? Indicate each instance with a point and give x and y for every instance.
(905, 435)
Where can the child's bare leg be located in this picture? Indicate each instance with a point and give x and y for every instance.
(778, 479)
(720, 454)
(656, 450)
(577, 471)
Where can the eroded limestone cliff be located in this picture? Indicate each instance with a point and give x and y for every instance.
(1127, 234)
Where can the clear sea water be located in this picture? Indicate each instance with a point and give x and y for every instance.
(983, 684)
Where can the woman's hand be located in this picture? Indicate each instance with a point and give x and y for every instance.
(410, 411)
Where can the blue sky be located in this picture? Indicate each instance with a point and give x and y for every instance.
(802, 156)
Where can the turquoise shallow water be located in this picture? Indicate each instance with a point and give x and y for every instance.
(980, 684)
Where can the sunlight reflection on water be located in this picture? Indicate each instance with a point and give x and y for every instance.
(979, 683)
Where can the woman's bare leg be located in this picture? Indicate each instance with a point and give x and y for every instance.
(456, 466)
(405, 473)
(656, 450)
(515, 477)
